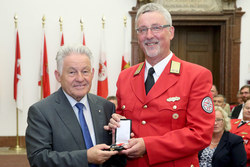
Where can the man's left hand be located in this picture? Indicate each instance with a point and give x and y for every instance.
(135, 148)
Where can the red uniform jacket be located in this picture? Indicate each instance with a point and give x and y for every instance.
(175, 119)
(244, 132)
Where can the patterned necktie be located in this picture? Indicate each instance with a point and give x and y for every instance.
(150, 80)
(84, 126)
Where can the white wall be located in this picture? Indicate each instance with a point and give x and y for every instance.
(245, 43)
(30, 13)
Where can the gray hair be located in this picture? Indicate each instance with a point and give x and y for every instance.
(153, 7)
(226, 119)
(67, 50)
(220, 95)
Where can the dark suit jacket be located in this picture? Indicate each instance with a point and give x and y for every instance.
(230, 152)
(236, 111)
(54, 136)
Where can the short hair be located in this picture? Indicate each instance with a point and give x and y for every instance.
(245, 86)
(111, 98)
(67, 50)
(220, 95)
(226, 119)
(153, 7)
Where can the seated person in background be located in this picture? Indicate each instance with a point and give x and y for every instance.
(237, 111)
(220, 100)
(239, 101)
(58, 134)
(113, 99)
(226, 149)
(214, 90)
(241, 127)
(239, 98)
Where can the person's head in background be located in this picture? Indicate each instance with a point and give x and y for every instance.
(222, 121)
(214, 90)
(246, 110)
(219, 100)
(239, 98)
(245, 92)
(74, 70)
(112, 99)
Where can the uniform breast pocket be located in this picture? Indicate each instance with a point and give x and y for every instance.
(127, 107)
(175, 113)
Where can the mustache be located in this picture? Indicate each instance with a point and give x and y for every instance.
(147, 41)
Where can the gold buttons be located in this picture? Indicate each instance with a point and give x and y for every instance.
(191, 165)
(123, 107)
(175, 116)
(145, 106)
(143, 122)
(174, 107)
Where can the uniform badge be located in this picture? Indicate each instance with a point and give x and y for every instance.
(173, 99)
(175, 67)
(207, 105)
(138, 70)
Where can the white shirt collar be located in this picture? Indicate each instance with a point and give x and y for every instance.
(73, 102)
(159, 67)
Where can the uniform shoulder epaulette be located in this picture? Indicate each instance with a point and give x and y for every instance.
(138, 70)
(175, 67)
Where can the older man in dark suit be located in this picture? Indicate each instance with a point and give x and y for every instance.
(66, 128)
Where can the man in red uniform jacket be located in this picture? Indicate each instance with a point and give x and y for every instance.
(174, 120)
(242, 128)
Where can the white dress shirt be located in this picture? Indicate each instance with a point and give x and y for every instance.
(86, 112)
(159, 67)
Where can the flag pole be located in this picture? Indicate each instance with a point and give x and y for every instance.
(125, 21)
(17, 147)
(43, 25)
(103, 22)
(61, 23)
(81, 24)
(82, 31)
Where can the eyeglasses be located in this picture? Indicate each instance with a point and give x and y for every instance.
(154, 29)
(218, 120)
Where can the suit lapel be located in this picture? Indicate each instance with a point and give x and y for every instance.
(67, 115)
(97, 113)
(137, 83)
(221, 144)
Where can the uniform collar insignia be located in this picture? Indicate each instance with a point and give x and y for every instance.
(175, 67)
(237, 122)
(138, 70)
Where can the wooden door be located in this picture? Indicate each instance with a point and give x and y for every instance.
(199, 45)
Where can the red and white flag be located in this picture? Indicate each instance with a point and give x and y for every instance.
(125, 56)
(44, 70)
(62, 39)
(18, 94)
(83, 38)
(102, 87)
